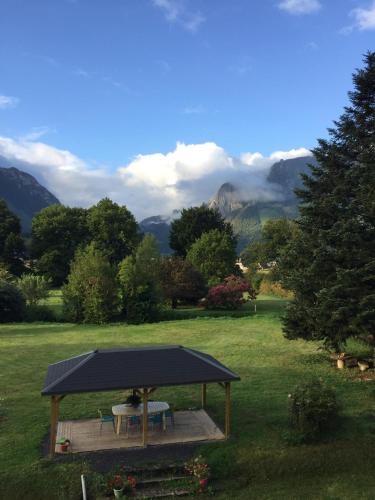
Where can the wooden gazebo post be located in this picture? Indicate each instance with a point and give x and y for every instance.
(55, 401)
(145, 417)
(204, 395)
(227, 409)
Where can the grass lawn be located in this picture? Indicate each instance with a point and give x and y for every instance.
(256, 462)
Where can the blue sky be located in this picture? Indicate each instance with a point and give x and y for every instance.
(107, 80)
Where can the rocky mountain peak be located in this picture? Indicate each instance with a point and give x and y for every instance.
(227, 199)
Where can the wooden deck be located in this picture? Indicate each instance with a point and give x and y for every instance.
(190, 426)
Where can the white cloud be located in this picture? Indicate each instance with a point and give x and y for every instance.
(176, 11)
(36, 133)
(364, 17)
(193, 110)
(297, 7)
(149, 184)
(7, 101)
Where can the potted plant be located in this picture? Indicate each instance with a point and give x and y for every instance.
(199, 469)
(129, 485)
(122, 487)
(133, 400)
(118, 486)
(341, 360)
(64, 444)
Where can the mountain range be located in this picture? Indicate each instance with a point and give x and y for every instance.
(24, 195)
(247, 215)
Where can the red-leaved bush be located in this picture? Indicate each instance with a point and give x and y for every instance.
(230, 294)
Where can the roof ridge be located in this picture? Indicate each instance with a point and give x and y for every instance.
(141, 348)
(203, 358)
(73, 357)
(90, 355)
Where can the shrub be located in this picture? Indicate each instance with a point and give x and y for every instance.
(91, 294)
(39, 313)
(231, 294)
(313, 410)
(34, 288)
(12, 303)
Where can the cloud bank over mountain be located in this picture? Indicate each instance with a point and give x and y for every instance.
(149, 184)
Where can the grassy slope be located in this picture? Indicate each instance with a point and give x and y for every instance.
(252, 346)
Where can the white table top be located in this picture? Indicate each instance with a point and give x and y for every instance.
(152, 407)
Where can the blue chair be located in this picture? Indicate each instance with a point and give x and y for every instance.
(133, 422)
(106, 418)
(155, 419)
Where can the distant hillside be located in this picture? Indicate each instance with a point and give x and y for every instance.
(24, 195)
(246, 215)
(287, 174)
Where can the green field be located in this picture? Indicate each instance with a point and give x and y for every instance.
(257, 462)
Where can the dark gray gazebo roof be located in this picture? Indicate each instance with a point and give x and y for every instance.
(134, 368)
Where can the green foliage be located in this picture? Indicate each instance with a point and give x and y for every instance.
(268, 286)
(330, 266)
(313, 410)
(140, 282)
(12, 246)
(113, 229)
(192, 224)
(12, 303)
(5, 275)
(276, 235)
(57, 232)
(91, 293)
(34, 287)
(214, 255)
(180, 281)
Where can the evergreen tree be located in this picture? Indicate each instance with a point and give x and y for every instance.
(330, 266)
(140, 282)
(91, 293)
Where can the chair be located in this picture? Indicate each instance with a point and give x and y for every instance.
(133, 421)
(106, 418)
(156, 419)
(169, 414)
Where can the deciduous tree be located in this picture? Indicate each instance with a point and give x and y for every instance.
(192, 224)
(214, 255)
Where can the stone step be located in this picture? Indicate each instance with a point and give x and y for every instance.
(143, 483)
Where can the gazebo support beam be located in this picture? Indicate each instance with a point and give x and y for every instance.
(227, 409)
(55, 401)
(204, 395)
(145, 417)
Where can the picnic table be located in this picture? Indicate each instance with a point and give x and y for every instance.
(153, 407)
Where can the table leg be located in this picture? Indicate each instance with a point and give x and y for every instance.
(164, 422)
(118, 424)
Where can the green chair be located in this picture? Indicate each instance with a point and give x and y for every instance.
(106, 418)
(155, 419)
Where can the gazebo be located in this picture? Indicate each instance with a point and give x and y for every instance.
(141, 369)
